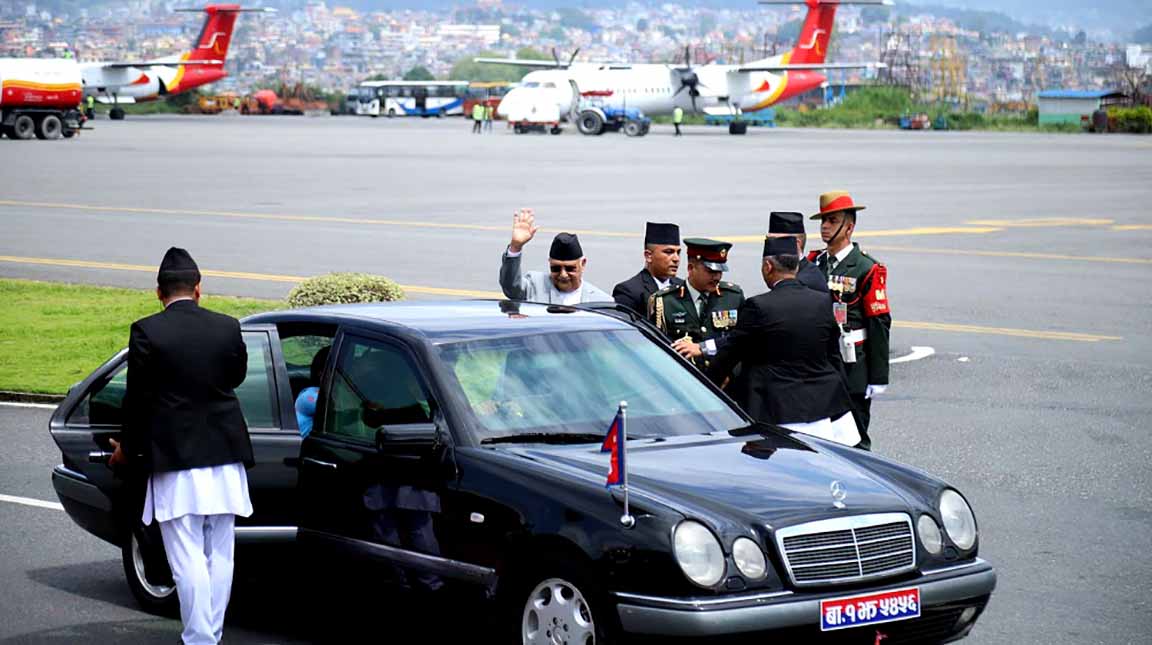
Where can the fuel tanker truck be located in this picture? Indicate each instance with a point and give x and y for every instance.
(39, 97)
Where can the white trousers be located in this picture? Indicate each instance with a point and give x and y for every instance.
(200, 552)
(841, 430)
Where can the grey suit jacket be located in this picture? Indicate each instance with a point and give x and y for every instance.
(536, 286)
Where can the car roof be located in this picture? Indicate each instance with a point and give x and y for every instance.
(453, 321)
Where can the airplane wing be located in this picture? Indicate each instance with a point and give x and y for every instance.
(796, 67)
(521, 62)
(159, 63)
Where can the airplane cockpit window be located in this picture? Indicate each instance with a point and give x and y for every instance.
(549, 86)
(531, 84)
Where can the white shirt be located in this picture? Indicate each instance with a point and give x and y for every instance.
(660, 284)
(843, 253)
(212, 490)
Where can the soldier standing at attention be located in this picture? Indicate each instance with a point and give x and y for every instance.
(703, 309)
(661, 263)
(859, 286)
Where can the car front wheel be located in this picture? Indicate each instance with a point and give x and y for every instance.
(151, 584)
(554, 601)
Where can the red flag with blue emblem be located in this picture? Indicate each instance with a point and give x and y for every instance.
(614, 443)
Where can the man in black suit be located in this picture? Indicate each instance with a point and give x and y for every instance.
(785, 223)
(661, 263)
(787, 342)
(184, 427)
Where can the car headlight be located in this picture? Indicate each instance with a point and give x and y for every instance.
(698, 552)
(958, 519)
(749, 558)
(930, 534)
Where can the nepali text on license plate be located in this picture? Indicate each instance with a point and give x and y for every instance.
(869, 609)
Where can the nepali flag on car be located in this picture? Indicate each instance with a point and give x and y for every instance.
(614, 443)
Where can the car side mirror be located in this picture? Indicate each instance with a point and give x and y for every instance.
(416, 439)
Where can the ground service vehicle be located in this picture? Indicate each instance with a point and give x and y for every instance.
(477, 426)
(39, 98)
(411, 98)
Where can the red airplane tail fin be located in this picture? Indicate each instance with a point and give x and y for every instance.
(216, 34)
(812, 45)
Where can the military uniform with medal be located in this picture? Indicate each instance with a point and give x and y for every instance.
(858, 284)
(704, 308)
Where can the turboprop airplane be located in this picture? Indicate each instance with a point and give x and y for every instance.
(140, 81)
(582, 90)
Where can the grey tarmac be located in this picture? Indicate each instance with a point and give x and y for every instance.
(1002, 249)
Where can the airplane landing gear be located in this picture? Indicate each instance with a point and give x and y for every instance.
(738, 127)
(116, 114)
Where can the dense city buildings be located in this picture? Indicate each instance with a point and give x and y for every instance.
(332, 47)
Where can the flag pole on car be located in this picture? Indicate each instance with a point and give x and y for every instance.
(616, 443)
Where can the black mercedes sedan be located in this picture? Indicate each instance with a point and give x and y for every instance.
(460, 443)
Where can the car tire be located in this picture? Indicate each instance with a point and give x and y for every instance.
(23, 128)
(634, 129)
(589, 122)
(155, 597)
(556, 601)
(50, 127)
(555, 130)
(391, 113)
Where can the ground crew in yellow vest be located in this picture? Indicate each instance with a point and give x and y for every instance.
(489, 114)
(698, 312)
(90, 107)
(859, 286)
(677, 118)
(477, 117)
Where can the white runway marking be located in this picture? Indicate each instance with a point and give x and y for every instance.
(28, 501)
(38, 406)
(917, 354)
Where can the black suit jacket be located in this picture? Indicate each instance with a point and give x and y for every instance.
(184, 364)
(787, 342)
(635, 291)
(811, 276)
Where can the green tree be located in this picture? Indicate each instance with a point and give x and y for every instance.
(419, 73)
(466, 69)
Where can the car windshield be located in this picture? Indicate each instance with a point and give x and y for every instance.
(571, 384)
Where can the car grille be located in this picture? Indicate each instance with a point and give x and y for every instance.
(848, 549)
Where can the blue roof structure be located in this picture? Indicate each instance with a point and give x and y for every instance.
(1078, 94)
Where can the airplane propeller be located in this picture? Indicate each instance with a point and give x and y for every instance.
(571, 58)
(689, 79)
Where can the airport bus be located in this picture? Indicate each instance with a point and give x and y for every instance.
(488, 93)
(411, 98)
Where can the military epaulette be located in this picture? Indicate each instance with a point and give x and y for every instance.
(666, 290)
(729, 286)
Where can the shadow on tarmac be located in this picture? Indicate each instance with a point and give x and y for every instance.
(271, 603)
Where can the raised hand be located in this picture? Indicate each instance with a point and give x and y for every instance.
(523, 229)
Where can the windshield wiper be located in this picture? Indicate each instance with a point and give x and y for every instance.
(548, 437)
(559, 438)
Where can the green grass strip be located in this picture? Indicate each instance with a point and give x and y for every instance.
(53, 335)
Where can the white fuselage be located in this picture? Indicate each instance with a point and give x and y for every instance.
(128, 82)
(651, 88)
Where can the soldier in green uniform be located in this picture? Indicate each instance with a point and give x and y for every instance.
(704, 308)
(859, 286)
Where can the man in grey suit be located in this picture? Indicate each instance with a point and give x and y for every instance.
(563, 285)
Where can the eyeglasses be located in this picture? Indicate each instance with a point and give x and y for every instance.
(557, 268)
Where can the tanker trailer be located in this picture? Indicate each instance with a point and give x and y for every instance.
(39, 97)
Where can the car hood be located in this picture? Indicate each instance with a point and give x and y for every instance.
(777, 478)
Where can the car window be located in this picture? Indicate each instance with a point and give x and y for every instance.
(257, 394)
(374, 385)
(104, 406)
(573, 383)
